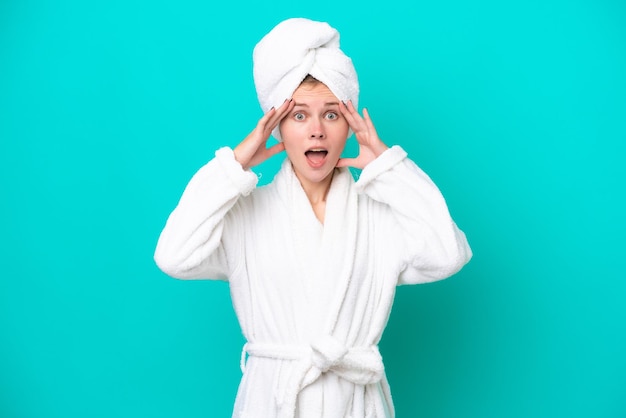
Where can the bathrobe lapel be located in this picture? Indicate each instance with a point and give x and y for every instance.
(338, 244)
(334, 264)
(339, 241)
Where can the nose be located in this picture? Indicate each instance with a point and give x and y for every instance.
(317, 135)
(317, 131)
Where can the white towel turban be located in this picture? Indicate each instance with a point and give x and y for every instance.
(293, 49)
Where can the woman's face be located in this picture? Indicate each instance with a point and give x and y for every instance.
(314, 133)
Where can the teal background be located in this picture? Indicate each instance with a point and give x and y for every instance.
(516, 109)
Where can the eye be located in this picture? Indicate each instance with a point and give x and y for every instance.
(298, 116)
(332, 115)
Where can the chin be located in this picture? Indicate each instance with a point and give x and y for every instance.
(318, 176)
(314, 176)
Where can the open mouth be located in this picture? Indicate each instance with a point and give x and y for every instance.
(316, 156)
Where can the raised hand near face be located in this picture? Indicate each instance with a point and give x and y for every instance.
(253, 150)
(370, 145)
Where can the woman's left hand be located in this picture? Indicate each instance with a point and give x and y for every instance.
(370, 145)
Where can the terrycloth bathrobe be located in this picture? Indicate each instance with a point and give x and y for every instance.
(312, 299)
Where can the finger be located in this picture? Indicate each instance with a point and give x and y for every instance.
(267, 116)
(349, 109)
(359, 122)
(368, 120)
(275, 149)
(353, 110)
(366, 114)
(285, 109)
(270, 120)
(280, 114)
(343, 107)
(349, 116)
(266, 120)
(348, 162)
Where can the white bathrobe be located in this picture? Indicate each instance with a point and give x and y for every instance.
(312, 300)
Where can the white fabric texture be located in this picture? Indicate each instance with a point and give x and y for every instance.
(312, 300)
(293, 49)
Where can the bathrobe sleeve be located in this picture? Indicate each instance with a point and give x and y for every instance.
(191, 246)
(431, 246)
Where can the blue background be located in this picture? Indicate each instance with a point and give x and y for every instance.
(516, 109)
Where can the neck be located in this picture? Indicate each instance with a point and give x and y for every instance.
(316, 192)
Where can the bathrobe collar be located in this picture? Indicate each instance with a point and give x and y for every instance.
(328, 349)
(339, 231)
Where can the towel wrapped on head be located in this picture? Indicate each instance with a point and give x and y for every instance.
(294, 49)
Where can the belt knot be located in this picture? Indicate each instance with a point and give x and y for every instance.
(327, 352)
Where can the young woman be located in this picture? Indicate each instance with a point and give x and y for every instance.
(313, 258)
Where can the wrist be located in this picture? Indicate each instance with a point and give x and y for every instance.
(379, 148)
(239, 158)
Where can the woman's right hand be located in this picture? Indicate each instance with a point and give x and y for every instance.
(253, 150)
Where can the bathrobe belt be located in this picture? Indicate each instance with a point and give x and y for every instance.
(360, 365)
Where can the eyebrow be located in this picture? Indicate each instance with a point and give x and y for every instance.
(325, 104)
